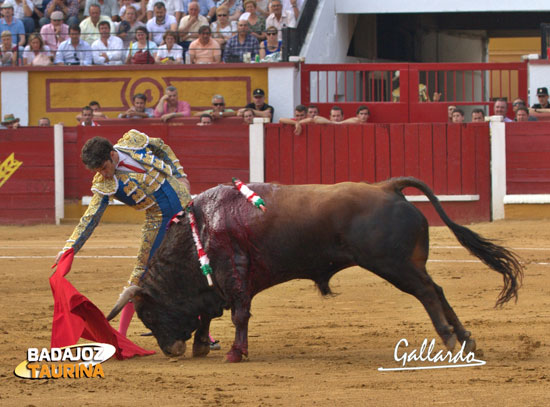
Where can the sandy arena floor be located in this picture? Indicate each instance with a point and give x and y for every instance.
(304, 349)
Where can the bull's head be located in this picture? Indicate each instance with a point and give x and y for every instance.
(167, 320)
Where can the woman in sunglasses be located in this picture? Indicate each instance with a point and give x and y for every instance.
(272, 44)
(223, 29)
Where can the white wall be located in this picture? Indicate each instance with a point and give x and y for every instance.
(15, 95)
(329, 35)
(437, 6)
(284, 90)
(538, 76)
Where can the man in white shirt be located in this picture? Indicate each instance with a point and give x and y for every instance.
(279, 18)
(108, 49)
(90, 25)
(293, 6)
(173, 8)
(160, 23)
(108, 8)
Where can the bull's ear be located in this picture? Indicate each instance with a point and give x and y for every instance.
(125, 297)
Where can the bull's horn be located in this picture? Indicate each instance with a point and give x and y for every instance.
(125, 297)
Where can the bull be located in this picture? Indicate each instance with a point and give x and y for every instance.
(308, 232)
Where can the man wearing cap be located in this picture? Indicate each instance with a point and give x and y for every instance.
(542, 94)
(260, 108)
(22, 10)
(55, 32)
(10, 121)
(13, 25)
(69, 8)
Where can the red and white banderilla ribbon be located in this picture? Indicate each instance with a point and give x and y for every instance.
(250, 195)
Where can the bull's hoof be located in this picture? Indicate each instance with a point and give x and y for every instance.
(470, 346)
(200, 349)
(234, 355)
(177, 349)
(450, 342)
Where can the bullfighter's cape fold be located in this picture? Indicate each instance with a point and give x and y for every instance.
(77, 317)
(250, 195)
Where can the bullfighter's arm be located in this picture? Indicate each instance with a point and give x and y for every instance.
(87, 223)
(165, 153)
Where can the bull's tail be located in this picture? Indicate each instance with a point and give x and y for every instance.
(496, 257)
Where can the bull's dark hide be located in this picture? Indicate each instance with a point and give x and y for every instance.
(308, 232)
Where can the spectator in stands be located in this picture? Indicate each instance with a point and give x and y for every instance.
(73, 51)
(90, 25)
(23, 10)
(522, 114)
(218, 109)
(450, 110)
(501, 109)
(44, 122)
(87, 117)
(108, 49)
(56, 32)
(312, 111)
(256, 21)
(69, 8)
(128, 26)
(8, 52)
(300, 112)
(235, 8)
(13, 25)
(173, 8)
(517, 103)
(293, 6)
(36, 53)
(458, 116)
(169, 52)
(160, 23)
(189, 25)
(258, 106)
(138, 110)
(10, 121)
(478, 116)
(207, 8)
(248, 116)
(140, 13)
(279, 18)
(222, 28)
(170, 107)
(142, 51)
(96, 111)
(361, 116)
(542, 95)
(205, 120)
(336, 114)
(240, 44)
(109, 8)
(205, 50)
(272, 44)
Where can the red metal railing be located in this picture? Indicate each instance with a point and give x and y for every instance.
(400, 92)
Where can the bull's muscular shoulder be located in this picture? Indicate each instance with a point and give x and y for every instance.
(133, 140)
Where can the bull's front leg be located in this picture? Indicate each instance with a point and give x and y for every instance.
(201, 343)
(240, 314)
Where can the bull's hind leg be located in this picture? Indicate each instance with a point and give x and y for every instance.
(415, 280)
(201, 344)
(240, 314)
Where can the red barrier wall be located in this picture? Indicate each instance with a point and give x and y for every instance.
(28, 195)
(527, 158)
(452, 159)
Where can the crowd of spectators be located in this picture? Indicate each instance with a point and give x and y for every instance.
(176, 31)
